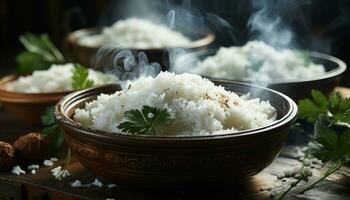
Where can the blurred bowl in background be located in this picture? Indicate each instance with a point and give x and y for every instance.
(295, 88)
(27, 106)
(84, 54)
(180, 161)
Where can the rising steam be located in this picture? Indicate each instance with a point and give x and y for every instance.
(266, 25)
(124, 63)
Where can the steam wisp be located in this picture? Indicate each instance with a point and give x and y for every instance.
(125, 64)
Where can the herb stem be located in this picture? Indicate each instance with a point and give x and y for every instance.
(302, 169)
(68, 159)
(302, 172)
(330, 171)
(289, 189)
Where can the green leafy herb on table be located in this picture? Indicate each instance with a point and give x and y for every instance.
(51, 130)
(144, 121)
(55, 136)
(40, 53)
(336, 106)
(80, 77)
(331, 145)
(331, 138)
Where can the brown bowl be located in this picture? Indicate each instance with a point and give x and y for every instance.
(153, 161)
(27, 106)
(295, 89)
(85, 54)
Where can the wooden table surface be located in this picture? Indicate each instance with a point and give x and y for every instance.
(44, 186)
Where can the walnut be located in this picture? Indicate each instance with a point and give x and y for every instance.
(31, 148)
(7, 156)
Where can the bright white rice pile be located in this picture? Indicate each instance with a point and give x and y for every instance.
(56, 79)
(258, 61)
(137, 33)
(198, 106)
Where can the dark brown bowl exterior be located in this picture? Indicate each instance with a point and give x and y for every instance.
(295, 89)
(26, 106)
(84, 54)
(153, 161)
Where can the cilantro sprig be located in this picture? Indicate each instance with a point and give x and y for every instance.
(40, 53)
(331, 138)
(337, 106)
(80, 78)
(330, 144)
(144, 121)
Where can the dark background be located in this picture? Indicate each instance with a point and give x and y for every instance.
(320, 25)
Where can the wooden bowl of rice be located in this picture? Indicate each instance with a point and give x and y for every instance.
(27, 106)
(85, 55)
(176, 161)
(296, 88)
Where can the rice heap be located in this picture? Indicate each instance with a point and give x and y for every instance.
(258, 61)
(197, 105)
(55, 79)
(137, 33)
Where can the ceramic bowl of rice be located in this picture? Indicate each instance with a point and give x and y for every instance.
(135, 34)
(292, 72)
(28, 96)
(215, 134)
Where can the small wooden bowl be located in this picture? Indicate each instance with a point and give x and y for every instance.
(85, 54)
(167, 161)
(27, 106)
(295, 88)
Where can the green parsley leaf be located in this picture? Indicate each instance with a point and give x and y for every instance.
(144, 121)
(28, 62)
(331, 142)
(48, 118)
(310, 109)
(331, 139)
(340, 108)
(80, 77)
(52, 130)
(40, 53)
(41, 45)
(324, 145)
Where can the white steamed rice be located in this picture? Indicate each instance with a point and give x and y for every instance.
(257, 61)
(137, 33)
(55, 79)
(198, 106)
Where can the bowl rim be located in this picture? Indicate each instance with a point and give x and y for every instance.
(73, 38)
(64, 120)
(339, 70)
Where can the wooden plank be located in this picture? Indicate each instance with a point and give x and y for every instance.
(43, 185)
